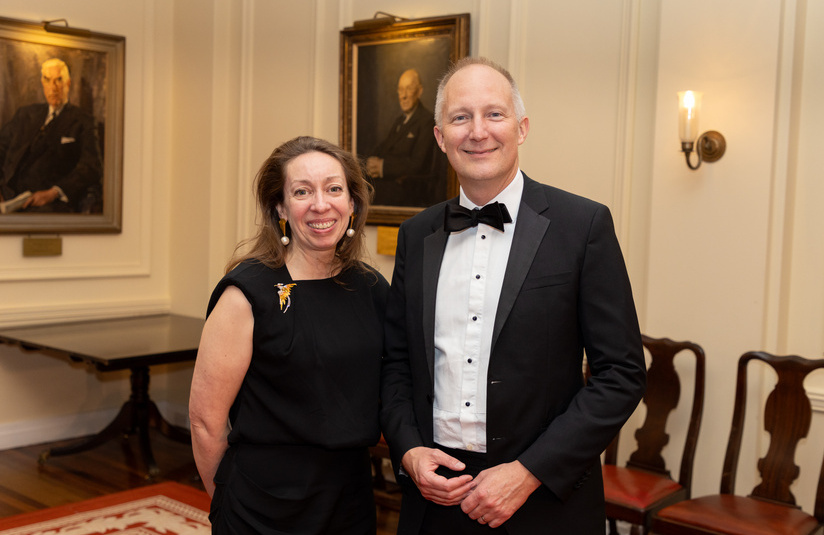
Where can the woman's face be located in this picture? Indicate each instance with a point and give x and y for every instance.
(316, 202)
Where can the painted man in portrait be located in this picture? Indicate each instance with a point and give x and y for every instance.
(50, 153)
(407, 168)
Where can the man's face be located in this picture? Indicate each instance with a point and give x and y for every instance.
(480, 131)
(55, 86)
(409, 91)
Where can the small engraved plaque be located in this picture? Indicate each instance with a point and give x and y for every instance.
(387, 240)
(42, 246)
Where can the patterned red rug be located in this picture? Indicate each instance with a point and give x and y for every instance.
(165, 508)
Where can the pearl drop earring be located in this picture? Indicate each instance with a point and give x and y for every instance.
(284, 239)
(350, 231)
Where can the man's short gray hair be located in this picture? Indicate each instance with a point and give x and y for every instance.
(517, 101)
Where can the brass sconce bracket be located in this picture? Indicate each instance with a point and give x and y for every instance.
(711, 146)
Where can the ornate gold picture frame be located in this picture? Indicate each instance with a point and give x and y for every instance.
(380, 60)
(81, 151)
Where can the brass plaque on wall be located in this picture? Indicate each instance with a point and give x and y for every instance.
(42, 246)
(387, 240)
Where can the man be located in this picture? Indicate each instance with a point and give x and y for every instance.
(485, 410)
(407, 168)
(52, 150)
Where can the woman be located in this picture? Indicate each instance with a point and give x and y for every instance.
(284, 398)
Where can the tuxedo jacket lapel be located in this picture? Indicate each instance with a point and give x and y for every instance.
(530, 229)
(433, 248)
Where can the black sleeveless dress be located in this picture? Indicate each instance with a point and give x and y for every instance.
(307, 411)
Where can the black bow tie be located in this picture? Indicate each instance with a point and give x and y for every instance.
(458, 218)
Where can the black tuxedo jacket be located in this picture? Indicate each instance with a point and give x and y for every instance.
(565, 291)
(66, 153)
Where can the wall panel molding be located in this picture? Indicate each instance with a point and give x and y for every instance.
(782, 176)
(128, 253)
(97, 270)
(45, 314)
(245, 202)
(625, 125)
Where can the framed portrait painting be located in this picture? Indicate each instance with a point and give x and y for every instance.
(61, 129)
(390, 71)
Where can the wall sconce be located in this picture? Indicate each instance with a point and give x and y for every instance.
(710, 145)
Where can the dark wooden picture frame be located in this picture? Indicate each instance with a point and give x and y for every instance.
(96, 64)
(375, 55)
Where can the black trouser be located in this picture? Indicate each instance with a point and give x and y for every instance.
(451, 520)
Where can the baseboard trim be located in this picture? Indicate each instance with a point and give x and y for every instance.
(27, 433)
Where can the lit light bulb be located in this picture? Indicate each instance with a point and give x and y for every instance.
(689, 103)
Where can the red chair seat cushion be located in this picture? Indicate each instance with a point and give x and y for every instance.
(737, 515)
(635, 489)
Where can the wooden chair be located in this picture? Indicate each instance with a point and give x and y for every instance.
(771, 507)
(633, 493)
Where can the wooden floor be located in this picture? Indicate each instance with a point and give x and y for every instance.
(26, 485)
